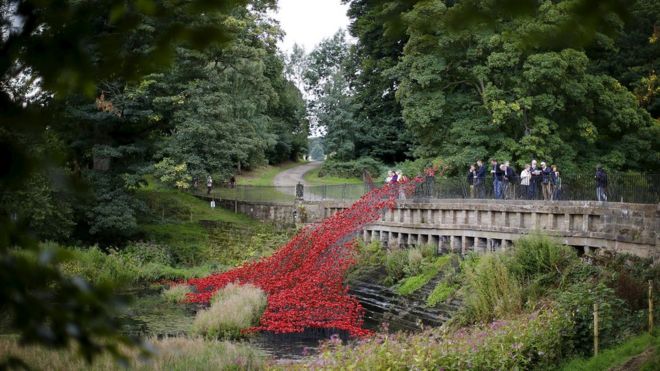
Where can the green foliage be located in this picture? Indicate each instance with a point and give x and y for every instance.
(429, 270)
(525, 342)
(469, 95)
(440, 293)
(170, 353)
(351, 169)
(541, 263)
(491, 290)
(233, 308)
(613, 357)
(577, 302)
(312, 177)
(176, 293)
(126, 268)
(396, 262)
(173, 174)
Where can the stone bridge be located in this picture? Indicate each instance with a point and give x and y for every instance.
(489, 225)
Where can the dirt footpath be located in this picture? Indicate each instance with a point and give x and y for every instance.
(292, 176)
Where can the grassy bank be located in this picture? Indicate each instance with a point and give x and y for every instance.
(312, 177)
(527, 308)
(642, 351)
(264, 176)
(169, 354)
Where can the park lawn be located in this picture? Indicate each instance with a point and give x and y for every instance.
(178, 214)
(312, 178)
(619, 355)
(264, 176)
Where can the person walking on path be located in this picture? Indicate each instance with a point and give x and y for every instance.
(601, 184)
(525, 177)
(209, 185)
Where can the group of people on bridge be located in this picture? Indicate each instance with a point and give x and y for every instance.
(534, 180)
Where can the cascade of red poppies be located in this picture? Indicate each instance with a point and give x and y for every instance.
(304, 279)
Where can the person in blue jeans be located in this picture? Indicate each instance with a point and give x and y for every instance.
(498, 174)
(601, 184)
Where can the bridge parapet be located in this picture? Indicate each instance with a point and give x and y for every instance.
(488, 225)
(482, 225)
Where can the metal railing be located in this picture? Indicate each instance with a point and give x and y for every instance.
(633, 188)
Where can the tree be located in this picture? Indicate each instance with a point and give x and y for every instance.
(52, 52)
(469, 95)
(381, 36)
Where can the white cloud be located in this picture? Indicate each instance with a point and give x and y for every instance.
(307, 22)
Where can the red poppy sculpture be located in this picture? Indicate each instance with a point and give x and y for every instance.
(304, 279)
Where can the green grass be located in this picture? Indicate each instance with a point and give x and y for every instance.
(264, 176)
(440, 293)
(174, 205)
(178, 353)
(411, 284)
(312, 178)
(618, 355)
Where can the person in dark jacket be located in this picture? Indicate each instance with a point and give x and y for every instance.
(535, 180)
(509, 179)
(498, 175)
(546, 181)
(480, 180)
(601, 184)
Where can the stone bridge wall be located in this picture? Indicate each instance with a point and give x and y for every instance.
(488, 225)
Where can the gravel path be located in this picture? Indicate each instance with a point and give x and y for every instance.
(292, 176)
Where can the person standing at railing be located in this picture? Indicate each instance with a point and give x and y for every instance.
(388, 178)
(508, 180)
(546, 181)
(209, 185)
(556, 183)
(534, 181)
(471, 178)
(525, 177)
(498, 174)
(601, 184)
(480, 180)
(401, 179)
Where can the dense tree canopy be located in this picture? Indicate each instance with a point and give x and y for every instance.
(572, 82)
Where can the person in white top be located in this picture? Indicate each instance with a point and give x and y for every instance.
(388, 179)
(525, 176)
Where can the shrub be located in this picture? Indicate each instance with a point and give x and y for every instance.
(415, 260)
(531, 341)
(145, 252)
(577, 302)
(542, 259)
(176, 293)
(491, 290)
(233, 309)
(395, 265)
(351, 169)
(179, 353)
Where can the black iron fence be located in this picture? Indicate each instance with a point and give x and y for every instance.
(633, 188)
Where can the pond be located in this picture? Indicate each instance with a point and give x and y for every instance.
(148, 314)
